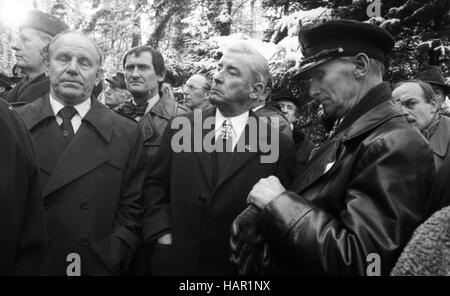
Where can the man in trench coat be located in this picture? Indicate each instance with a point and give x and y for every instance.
(92, 166)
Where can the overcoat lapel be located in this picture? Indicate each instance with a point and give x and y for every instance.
(87, 150)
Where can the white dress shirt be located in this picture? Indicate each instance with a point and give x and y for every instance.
(238, 125)
(82, 109)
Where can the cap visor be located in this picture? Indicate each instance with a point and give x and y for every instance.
(112, 82)
(303, 71)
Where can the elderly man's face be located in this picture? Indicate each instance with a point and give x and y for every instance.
(28, 49)
(333, 83)
(140, 75)
(74, 68)
(232, 83)
(412, 100)
(115, 96)
(439, 92)
(288, 108)
(194, 91)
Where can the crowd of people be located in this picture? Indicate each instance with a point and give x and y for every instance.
(224, 183)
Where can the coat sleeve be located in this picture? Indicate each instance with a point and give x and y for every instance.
(23, 236)
(384, 203)
(156, 194)
(125, 239)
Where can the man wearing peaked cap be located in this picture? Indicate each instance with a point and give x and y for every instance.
(117, 91)
(342, 38)
(35, 34)
(364, 191)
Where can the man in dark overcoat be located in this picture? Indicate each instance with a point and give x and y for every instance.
(23, 240)
(92, 166)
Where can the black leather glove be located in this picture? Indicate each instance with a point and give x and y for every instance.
(249, 250)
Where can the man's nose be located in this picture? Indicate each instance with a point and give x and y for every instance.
(217, 77)
(313, 90)
(72, 67)
(135, 72)
(16, 45)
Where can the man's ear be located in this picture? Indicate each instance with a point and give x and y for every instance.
(162, 76)
(257, 91)
(435, 104)
(362, 65)
(99, 75)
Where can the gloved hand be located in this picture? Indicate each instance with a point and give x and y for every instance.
(249, 250)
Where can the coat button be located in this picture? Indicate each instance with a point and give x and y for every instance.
(202, 198)
(85, 241)
(85, 204)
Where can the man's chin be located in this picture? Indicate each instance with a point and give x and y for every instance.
(71, 95)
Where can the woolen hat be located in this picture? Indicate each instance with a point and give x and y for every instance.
(44, 22)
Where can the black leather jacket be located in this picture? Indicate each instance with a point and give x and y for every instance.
(364, 191)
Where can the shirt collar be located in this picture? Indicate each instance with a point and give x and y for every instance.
(82, 108)
(238, 122)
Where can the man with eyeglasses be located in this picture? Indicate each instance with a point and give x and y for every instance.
(196, 92)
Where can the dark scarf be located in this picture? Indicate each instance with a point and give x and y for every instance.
(131, 110)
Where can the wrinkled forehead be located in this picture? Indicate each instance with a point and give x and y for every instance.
(237, 59)
(75, 43)
(408, 90)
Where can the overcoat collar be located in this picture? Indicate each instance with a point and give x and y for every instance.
(86, 151)
(41, 109)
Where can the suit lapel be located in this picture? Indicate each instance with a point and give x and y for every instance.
(244, 151)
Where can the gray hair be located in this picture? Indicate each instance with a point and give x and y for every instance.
(259, 66)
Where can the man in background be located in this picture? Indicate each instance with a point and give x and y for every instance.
(116, 92)
(196, 92)
(34, 35)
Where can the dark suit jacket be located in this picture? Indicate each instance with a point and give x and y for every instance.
(91, 191)
(182, 197)
(22, 232)
(27, 91)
